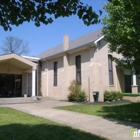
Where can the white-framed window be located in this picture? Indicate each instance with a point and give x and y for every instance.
(55, 73)
(110, 70)
(78, 68)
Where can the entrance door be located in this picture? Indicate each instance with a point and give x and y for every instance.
(17, 87)
(127, 79)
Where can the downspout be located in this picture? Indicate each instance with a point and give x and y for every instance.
(89, 74)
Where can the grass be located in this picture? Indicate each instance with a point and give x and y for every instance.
(16, 125)
(131, 94)
(127, 112)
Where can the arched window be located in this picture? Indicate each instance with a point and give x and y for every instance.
(110, 69)
(55, 73)
(78, 68)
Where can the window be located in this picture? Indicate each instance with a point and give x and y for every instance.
(55, 74)
(78, 68)
(110, 68)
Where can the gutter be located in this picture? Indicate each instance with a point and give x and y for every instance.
(66, 51)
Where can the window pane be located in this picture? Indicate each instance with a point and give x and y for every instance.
(109, 62)
(78, 68)
(111, 78)
(55, 67)
(78, 62)
(110, 69)
(55, 73)
(55, 80)
(78, 77)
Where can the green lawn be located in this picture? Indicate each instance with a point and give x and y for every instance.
(127, 112)
(16, 125)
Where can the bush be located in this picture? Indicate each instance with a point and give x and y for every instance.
(81, 96)
(71, 97)
(74, 88)
(120, 95)
(108, 96)
(112, 95)
(76, 94)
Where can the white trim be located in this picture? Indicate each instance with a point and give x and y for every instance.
(95, 42)
(27, 83)
(30, 57)
(33, 82)
(134, 80)
(47, 78)
(116, 80)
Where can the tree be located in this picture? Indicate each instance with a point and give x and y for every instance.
(15, 12)
(14, 45)
(122, 31)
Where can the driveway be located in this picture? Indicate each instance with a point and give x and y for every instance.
(112, 129)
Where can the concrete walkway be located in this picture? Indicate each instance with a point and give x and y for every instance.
(111, 129)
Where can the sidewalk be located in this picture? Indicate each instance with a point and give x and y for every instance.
(112, 129)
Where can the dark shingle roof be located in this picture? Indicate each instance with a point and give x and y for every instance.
(52, 51)
(88, 38)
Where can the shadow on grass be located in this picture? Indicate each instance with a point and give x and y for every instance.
(43, 132)
(128, 113)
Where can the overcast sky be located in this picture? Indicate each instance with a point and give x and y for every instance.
(47, 36)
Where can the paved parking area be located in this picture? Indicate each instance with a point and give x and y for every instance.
(109, 128)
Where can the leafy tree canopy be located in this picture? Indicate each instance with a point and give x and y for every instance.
(15, 12)
(122, 31)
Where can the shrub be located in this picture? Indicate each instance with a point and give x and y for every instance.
(75, 93)
(120, 95)
(81, 96)
(71, 97)
(112, 95)
(108, 96)
(74, 88)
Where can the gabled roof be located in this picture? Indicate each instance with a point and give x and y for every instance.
(17, 61)
(73, 44)
(52, 51)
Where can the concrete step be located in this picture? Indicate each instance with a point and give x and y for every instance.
(18, 100)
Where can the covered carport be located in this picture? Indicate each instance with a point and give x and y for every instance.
(17, 76)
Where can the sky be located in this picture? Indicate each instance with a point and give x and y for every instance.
(51, 35)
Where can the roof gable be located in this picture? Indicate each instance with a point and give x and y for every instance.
(18, 59)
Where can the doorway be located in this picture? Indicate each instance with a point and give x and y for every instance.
(127, 79)
(10, 85)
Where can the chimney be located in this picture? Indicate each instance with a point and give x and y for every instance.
(65, 42)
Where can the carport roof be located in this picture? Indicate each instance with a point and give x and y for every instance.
(17, 61)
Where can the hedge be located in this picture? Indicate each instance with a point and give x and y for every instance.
(112, 95)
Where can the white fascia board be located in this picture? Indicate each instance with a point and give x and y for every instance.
(30, 57)
(95, 42)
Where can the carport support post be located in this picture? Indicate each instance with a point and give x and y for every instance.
(33, 83)
(134, 80)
